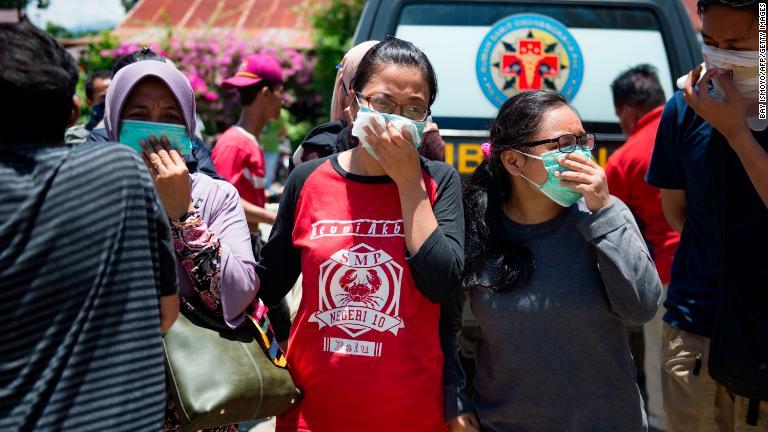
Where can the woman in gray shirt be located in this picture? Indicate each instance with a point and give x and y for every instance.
(555, 268)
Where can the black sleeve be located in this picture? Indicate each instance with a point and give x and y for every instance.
(279, 260)
(451, 312)
(665, 169)
(169, 283)
(438, 264)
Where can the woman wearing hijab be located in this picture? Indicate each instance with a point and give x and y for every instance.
(210, 235)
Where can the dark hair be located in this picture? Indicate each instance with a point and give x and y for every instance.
(486, 251)
(249, 94)
(102, 75)
(638, 87)
(37, 81)
(702, 5)
(393, 51)
(145, 53)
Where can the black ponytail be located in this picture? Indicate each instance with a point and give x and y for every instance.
(492, 260)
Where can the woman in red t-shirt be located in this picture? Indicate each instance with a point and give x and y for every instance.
(377, 233)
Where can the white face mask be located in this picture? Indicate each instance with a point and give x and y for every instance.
(366, 116)
(745, 68)
(743, 64)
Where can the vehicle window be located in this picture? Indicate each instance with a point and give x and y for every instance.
(484, 53)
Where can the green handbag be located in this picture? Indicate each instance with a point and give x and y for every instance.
(220, 376)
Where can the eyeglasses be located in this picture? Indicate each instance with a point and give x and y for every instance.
(386, 106)
(343, 85)
(568, 143)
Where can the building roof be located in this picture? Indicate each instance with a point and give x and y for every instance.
(282, 23)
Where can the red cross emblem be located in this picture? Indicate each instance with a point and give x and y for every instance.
(529, 64)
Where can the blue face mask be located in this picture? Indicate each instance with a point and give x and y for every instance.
(552, 188)
(134, 131)
(415, 128)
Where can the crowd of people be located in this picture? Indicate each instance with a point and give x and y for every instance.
(555, 255)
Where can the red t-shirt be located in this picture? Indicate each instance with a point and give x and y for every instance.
(364, 347)
(625, 170)
(239, 158)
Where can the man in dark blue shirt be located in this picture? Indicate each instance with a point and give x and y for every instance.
(711, 163)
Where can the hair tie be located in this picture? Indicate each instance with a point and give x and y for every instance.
(486, 147)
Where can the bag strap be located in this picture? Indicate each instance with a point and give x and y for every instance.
(257, 313)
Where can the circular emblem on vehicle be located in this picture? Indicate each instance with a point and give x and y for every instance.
(528, 52)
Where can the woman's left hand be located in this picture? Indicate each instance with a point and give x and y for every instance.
(586, 177)
(171, 176)
(396, 153)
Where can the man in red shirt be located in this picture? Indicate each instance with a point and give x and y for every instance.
(237, 155)
(639, 100)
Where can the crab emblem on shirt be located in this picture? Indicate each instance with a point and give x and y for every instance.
(360, 286)
(359, 291)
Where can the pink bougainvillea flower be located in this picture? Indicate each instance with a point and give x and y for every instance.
(211, 96)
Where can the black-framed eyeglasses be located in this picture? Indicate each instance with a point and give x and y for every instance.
(568, 143)
(386, 106)
(343, 84)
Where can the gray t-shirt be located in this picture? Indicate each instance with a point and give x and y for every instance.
(553, 355)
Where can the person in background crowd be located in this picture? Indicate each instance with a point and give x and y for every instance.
(711, 163)
(333, 137)
(274, 140)
(215, 262)
(238, 156)
(86, 260)
(200, 158)
(555, 268)
(376, 232)
(96, 86)
(639, 99)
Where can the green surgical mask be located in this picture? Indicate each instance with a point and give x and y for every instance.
(552, 188)
(133, 131)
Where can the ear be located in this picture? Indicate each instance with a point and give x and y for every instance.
(264, 93)
(74, 115)
(513, 162)
(348, 115)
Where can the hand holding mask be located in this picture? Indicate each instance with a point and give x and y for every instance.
(366, 117)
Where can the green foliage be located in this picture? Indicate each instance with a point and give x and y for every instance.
(58, 31)
(94, 57)
(13, 4)
(334, 23)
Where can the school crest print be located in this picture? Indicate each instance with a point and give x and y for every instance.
(528, 52)
(359, 291)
